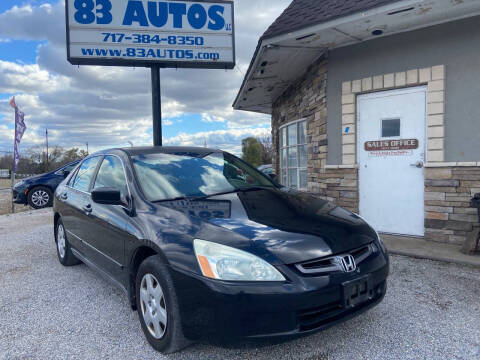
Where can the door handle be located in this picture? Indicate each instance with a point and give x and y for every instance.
(418, 164)
(87, 209)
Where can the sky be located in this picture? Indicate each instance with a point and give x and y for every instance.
(111, 106)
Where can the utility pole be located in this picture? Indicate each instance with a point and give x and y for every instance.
(87, 148)
(46, 138)
(156, 105)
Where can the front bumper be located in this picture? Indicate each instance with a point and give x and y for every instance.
(19, 196)
(224, 310)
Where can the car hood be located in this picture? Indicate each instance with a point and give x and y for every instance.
(290, 225)
(35, 177)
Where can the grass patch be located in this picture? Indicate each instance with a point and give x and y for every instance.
(6, 201)
(5, 183)
(6, 208)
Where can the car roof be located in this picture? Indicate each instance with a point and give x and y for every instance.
(133, 151)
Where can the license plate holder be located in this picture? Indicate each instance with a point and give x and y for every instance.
(357, 291)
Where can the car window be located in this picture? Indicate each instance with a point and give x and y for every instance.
(111, 175)
(85, 173)
(166, 176)
(72, 178)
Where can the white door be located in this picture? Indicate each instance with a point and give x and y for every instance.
(391, 153)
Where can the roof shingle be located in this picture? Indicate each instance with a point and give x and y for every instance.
(302, 13)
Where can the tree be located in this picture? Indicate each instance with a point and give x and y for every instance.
(267, 149)
(33, 159)
(252, 151)
(73, 154)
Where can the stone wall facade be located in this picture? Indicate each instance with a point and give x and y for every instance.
(339, 184)
(306, 99)
(449, 217)
(449, 187)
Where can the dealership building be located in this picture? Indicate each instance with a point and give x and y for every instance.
(375, 106)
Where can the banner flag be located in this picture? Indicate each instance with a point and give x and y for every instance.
(19, 131)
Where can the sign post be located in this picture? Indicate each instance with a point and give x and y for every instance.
(12, 185)
(156, 105)
(151, 33)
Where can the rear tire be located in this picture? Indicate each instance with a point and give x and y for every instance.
(64, 251)
(40, 197)
(157, 307)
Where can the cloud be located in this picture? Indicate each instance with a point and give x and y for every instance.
(43, 22)
(109, 106)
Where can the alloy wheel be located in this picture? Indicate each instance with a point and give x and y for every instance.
(40, 198)
(153, 306)
(61, 241)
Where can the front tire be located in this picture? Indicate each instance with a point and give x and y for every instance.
(157, 307)
(64, 251)
(40, 197)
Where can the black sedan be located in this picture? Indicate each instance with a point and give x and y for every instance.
(37, 191)
(207, 247)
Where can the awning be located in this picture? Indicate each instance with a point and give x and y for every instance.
(280, 60)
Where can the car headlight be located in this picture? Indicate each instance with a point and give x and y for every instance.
(226, 263)
(19, 183)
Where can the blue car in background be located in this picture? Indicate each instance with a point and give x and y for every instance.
(37, 191)
(268, 170)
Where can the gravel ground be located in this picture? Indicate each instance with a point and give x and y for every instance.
(47, 311)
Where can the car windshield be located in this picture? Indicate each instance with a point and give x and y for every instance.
(169, 176)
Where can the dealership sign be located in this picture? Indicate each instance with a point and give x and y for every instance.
(385, 148)
(145, 32)
(389, 145)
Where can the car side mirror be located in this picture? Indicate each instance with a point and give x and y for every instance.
(65, 173)
(107, 196)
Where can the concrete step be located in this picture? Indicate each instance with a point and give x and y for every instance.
(419, 248)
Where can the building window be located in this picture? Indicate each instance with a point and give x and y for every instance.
(390, 127)
(293, 154)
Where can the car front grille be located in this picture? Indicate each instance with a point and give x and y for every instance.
(333, 263)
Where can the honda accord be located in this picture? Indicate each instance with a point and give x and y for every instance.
(205, 246)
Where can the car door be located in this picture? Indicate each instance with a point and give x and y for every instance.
(67, 211)
(108, 222)
(78, 207)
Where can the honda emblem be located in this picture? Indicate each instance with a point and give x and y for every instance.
(348, 263)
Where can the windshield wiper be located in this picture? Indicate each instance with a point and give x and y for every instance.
(178, 198)
(201, 197)
(244, 189)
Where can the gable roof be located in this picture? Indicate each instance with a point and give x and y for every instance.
(303, 13)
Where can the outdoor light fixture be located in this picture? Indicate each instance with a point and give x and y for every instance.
(401, 11)
(305, 36)
(271, 46)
